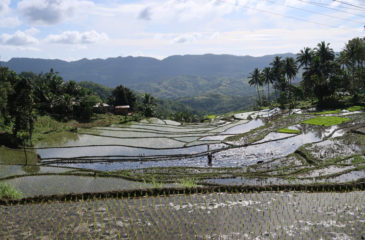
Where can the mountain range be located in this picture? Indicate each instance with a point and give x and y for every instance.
(175, 77)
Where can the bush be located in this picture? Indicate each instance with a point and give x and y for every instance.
(9, 192)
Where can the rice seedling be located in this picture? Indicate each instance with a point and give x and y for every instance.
(291, 131)
(188, 182)
(9, 192)
(326, 121)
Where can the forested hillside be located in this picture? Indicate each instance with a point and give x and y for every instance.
(172, 77)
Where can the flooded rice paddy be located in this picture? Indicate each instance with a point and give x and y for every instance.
(247, 144)
(247, 150)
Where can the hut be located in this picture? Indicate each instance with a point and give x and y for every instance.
(121, 110)
(101, 108)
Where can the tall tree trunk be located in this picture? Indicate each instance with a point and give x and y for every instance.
(258, 94)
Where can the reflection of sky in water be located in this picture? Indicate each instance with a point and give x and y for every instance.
(246, 127)
(233, 157)
(119, 150)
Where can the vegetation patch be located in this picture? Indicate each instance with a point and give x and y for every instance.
(188, 182)
(328, 112)
(210, 117)
(8, 192)
(356, 108)
(358, 160)
(326, 121)
(291, 131)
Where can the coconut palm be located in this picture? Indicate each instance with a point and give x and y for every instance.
(304, 58)
(290, 69)
(255, 79)
(277, 74)
(353, 58)
(267, 78)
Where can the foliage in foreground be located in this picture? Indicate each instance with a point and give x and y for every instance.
(9, 192)
(355, 108)
(326, 121)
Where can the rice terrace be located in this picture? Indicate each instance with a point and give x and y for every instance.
(274, 175)
(182, 119)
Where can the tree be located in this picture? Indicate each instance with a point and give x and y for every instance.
(255, 79)
(123, 96)
(267, 78)
(321, 73)
(277, 67)
(304, 58)
(21, 110)
(7, 80)
(353, 58)
(290, 70)
(84, 110)
(148, 105)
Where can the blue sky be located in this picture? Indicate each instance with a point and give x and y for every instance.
(75, 29)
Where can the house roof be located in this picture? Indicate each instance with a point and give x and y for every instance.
(101, 105)
(122, 107)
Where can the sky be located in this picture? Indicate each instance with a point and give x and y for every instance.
(76, 29)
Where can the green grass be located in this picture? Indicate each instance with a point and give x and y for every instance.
(327, 112)
(210, 117)
(188, 182)
(287, 130)
(326, 121)
(358, 160)
(355, 108)
(9, 192)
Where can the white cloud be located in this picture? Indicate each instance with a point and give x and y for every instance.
(20, 38)
(193, 37)
(4, 6)
(9, 22)
(7, 19)
(49, 12)
(75, 37)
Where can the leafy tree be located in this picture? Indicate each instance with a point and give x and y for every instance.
(84, 110)
(321, 73)
(123, 96)
(102, 91)
(7, 80)
(21, 110)
(149, 104)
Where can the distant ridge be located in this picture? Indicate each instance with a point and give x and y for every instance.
(173, 77)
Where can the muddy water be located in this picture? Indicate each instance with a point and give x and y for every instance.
(115, 151)
(47, 185)
(9, 156)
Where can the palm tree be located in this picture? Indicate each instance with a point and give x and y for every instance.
(353, 57)
(304, 58)
(277, 74)
(255, 79)
(324, 52)
(267, 77)
(290, 70)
